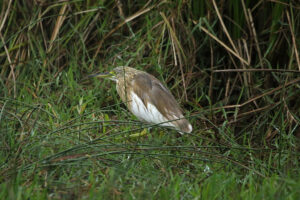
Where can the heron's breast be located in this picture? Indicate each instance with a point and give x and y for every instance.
(148, 113)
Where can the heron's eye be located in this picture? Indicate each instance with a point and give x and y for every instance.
(112, 73)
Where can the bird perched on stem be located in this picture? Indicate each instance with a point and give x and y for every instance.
(147, 98)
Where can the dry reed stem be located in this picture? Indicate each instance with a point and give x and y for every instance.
(42, 28)
(293, 39)
(256, 110)
(59, 21)
(256, 70)
(58, 24)
(173, 48)
(128, 19)
(245, 14)
(248, 50)
(224, 45)
(255, 37)
(120, 5)
(262, 95)
(178, 49)
(246, 77)
(5, 15)
(211, 79)
(12, 66)
(224, 27)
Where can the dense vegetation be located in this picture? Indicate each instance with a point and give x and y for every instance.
(232, 65)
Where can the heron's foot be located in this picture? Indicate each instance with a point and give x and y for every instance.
(140, 134)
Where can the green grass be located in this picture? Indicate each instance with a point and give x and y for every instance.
(63, 136)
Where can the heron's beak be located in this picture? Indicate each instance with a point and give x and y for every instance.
(101, 75)
(109, 75)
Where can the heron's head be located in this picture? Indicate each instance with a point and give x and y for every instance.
(116, 73)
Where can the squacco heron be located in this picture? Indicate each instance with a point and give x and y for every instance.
(147, 98)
